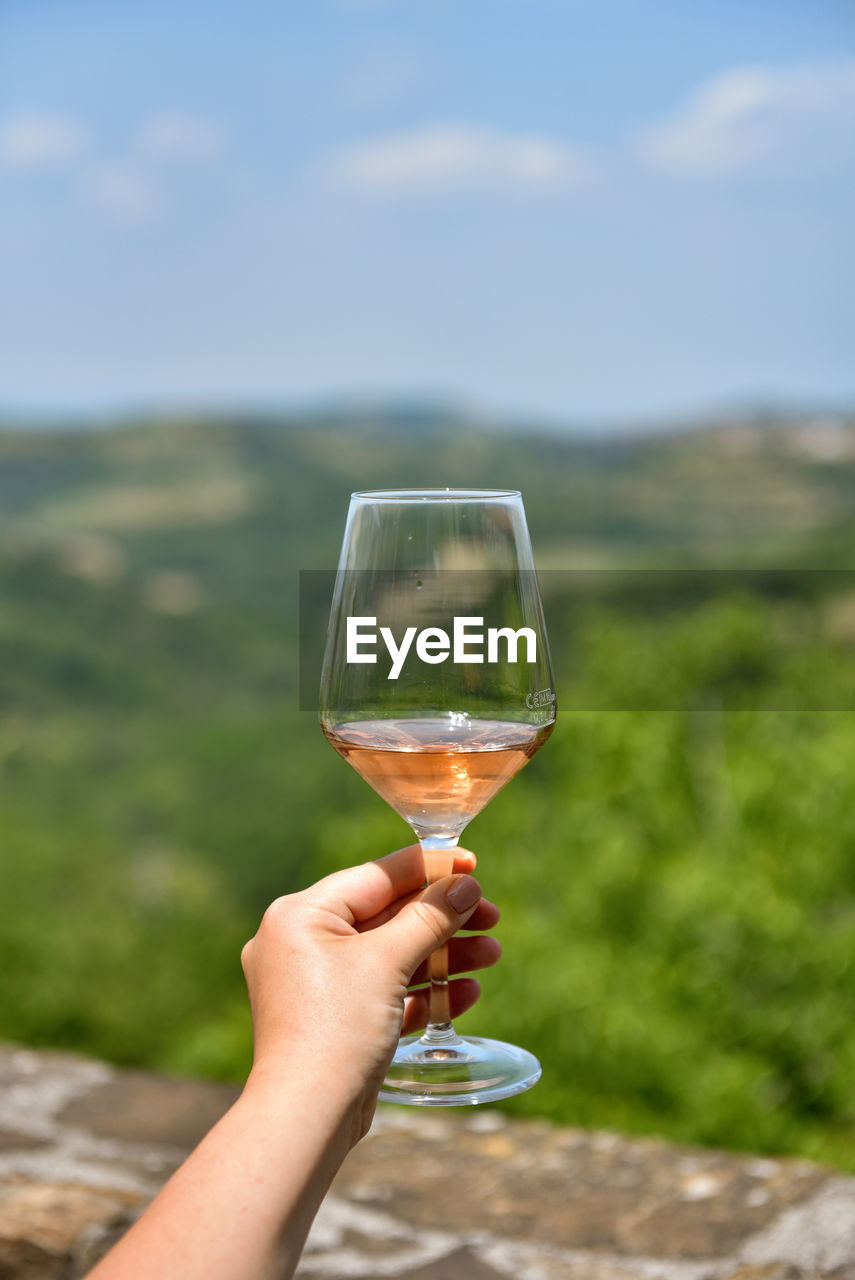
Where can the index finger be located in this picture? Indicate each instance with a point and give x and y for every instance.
(358, 893)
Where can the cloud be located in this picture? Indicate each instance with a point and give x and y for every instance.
(38, 140)
(175, 135)
(759, 117)
(123, 190)
(444, 157)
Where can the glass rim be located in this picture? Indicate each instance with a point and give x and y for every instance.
(434, 495)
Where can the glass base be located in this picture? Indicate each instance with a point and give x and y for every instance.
(458, 1071)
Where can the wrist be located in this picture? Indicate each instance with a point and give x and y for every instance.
(287, 1095)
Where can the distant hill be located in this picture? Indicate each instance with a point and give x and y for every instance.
(733, 492)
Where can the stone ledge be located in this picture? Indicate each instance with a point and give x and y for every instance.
(470, 1195)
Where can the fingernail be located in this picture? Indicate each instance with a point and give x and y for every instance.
(463, 893)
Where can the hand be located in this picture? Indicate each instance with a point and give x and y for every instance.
(331, 971)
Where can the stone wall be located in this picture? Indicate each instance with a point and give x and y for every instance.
(466, 1195)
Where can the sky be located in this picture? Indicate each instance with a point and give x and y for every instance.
(586, 211)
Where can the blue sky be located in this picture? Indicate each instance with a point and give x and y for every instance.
(585, 210)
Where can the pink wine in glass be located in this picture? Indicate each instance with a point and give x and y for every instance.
(437, 772)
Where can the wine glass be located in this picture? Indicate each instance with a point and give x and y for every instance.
(437, 689)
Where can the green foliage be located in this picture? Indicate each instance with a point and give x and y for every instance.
(675, 870)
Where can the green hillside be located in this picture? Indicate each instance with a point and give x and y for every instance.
(677, 868)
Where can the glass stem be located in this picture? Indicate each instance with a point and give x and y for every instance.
(438, 854)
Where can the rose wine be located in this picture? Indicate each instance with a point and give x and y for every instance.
(437, 773)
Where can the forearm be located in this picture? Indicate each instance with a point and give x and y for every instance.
(241, 1205)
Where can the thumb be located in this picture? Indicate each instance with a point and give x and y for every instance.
(430, 920)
